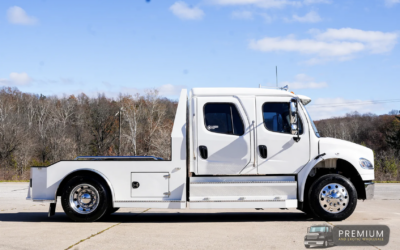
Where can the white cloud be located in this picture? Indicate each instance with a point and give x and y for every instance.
(183, 11)
(306, 46)
(317, 1)
(390, 3)
(310, 17)
(375, 41)
(267, 18)
(169, 90)
(333, 44)
(259, 3)
(323, 108)
(16, 79)
(17, 15)
(242, 15)
(303, 81)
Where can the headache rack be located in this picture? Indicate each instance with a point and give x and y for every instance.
(119, 158)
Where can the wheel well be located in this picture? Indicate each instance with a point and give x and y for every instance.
(86, 172)
(336, 166)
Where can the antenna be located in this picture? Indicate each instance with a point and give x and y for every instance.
(276, 71)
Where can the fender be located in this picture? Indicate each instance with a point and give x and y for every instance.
(302, 177)
(90, 170)
(349, 155)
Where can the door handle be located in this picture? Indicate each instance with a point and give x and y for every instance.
(203, 152)
(263, 151)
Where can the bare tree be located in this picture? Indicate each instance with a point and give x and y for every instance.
(132, 113)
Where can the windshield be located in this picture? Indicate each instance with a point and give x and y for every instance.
(317, 229)
(312, 123)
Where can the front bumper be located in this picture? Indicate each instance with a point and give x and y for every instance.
(369, 190)
(313, 242)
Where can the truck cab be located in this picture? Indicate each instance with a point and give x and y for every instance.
(231, 148)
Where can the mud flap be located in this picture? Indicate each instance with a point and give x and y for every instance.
(52, 209)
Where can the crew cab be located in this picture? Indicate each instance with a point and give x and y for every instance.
(231, 148)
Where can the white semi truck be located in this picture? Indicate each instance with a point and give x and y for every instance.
(231, 148)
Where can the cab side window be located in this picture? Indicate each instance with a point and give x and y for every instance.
(223, 118)
(277, 118)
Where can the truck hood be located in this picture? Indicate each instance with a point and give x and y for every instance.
(338, 146)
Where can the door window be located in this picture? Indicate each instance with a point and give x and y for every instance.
(277, 118)
(223, 118)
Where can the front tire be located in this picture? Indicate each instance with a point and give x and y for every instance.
(332, 197)
(85, 198)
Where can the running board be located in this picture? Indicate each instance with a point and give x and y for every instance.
(243, 192)
(292, 203)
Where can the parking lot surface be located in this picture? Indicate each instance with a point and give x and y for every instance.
(25, 225)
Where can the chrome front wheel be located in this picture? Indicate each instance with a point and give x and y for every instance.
(333, 198)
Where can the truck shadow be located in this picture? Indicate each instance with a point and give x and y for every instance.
(168, 217)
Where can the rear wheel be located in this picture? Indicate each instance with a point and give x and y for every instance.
(85, 198)
(332, 197)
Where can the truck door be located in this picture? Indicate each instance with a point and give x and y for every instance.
(277, 152)
(223, 138)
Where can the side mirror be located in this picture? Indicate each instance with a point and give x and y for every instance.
(293, 108)
(294, 121)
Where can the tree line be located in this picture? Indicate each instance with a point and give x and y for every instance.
(36, 130)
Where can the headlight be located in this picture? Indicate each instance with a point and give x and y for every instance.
(364, 163)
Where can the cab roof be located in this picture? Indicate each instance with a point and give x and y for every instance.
(239, 91)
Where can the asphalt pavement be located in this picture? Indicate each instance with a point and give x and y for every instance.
(25, 225)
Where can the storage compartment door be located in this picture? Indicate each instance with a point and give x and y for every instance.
(149, 185)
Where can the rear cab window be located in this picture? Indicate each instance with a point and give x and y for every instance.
(223, 118)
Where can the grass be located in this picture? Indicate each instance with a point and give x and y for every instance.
(14, 180)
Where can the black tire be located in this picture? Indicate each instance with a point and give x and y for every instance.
(307, 246)
(314, 199)
(104, 201)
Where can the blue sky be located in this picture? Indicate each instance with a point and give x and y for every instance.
(342, 54)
